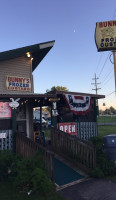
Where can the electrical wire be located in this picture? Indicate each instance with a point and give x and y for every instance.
(99, 62)
(110, 93)
(104, 65)
(114, 13)
(107, 76)
(107, 81)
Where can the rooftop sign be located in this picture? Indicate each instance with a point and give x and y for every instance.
(105, 35)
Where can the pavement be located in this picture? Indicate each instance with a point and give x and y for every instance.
(107, 124)
(91, 189)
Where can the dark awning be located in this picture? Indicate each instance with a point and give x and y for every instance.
(37, 100)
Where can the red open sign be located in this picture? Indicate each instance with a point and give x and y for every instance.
(70, 128)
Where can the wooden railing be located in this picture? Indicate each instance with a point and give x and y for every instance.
(73, 149)
(27, 148)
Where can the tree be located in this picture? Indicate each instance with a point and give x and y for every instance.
(55, 88)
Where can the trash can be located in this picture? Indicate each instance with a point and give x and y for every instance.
(109, 147)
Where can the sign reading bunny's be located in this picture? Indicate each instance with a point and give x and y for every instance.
(105, 35)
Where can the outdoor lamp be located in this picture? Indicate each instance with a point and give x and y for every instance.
(28, 54)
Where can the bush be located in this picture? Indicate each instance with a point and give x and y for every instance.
(104, 167)
(7, 160)
(25, 174)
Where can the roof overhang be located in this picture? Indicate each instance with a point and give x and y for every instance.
(37, 100)
(97, 96)
(37, 51)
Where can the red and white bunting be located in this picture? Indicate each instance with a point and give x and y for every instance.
(79, 105)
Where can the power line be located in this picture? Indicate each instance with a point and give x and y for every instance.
(114, 13)
(107, 76)
(110, 93)
(104, 65)
(99, 62)
(107, 81)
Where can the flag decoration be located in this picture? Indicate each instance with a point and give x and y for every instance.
(79, 105)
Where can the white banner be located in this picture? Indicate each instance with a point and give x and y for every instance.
(79, 105)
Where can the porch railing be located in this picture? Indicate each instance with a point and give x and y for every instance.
(27, 148)
(78, 152)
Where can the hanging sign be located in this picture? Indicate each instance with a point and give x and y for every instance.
(105, 35)
(5, 110)
(79, 105)
(70, 128)
(18, 83)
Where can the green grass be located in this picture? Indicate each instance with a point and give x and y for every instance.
(106, 130)
(7, 192)
(106, 119)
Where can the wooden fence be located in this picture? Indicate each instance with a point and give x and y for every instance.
(27, 148)
(78, 152)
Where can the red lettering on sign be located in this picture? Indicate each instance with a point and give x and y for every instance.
(70, 128)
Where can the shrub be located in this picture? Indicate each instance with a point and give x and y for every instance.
(7, 160)
(105, 167)
(25, 174)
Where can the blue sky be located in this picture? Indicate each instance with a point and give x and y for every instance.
(74, 60)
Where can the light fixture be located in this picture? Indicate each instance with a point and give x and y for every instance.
(31, 58)
(28, 54)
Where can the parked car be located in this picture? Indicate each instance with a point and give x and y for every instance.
(43, 121)
(49, 123)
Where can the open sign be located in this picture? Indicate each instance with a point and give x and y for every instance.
(70, 128)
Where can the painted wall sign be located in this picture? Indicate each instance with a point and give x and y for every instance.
(5, 110)
(105, 35)
(18, 83)
(70, 128)
(79, 105)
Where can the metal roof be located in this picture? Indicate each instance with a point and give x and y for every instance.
(37, 51)
(26, 95)
(97, 96)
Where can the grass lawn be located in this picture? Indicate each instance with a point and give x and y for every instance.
(106, 130)
(7, 192)
(106, 119)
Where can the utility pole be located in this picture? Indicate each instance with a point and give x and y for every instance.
(96, 88)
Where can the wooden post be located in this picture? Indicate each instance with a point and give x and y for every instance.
(14, 128)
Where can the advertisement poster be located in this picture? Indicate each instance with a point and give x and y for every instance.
(5, 110)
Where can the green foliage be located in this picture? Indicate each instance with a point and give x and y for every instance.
(104, 166)
(7, 160)
(97, 173)
(55, 88)
(25, 174)
(108, 111)
(40, 181)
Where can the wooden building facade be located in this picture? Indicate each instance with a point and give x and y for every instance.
(17, 97)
